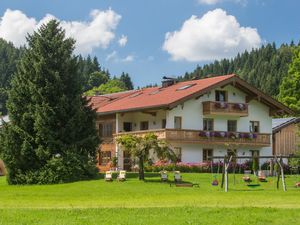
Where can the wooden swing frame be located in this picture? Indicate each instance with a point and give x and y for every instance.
(277, 159)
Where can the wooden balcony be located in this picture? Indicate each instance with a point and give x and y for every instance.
(225, 108)
(240, 139)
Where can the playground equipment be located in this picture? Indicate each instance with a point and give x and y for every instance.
(277, 159)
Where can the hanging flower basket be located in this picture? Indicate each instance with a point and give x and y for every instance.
(221, 105)
(205, 134)
(233, 135)
(240, 106)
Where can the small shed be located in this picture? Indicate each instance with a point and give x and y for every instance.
(286, 139)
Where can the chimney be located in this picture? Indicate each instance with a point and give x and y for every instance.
(168, 81)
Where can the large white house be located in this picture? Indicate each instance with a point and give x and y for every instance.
(198, 118)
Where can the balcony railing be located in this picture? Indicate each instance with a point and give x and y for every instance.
(225, 108)
(208, 137)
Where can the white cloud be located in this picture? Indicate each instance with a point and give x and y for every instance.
(213, 2)
(123, 41)
(215, 35)
(111, 56)
(209, 2)
(128, 58)
(98, 32)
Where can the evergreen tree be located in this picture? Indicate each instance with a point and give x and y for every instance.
(52, 136)
(290, 87)
(9, 56)
(125, 78)
(264, 68)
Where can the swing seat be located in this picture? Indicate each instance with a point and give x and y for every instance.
(247, 179)
(253, 185)
(262, 179)
(215, 183)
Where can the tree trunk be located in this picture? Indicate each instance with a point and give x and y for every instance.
(141, 169)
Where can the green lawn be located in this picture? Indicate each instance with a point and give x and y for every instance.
(150, 202)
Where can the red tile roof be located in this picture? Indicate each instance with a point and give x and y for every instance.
(153, 97)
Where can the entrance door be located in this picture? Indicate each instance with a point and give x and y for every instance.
(127, 164)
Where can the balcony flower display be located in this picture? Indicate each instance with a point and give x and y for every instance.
(205, 134)
(240, 106)
(243, 135)
(221, 134)
(248, 135)
(233, 135)
(221, 105)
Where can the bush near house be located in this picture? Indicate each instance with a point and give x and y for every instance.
(207, 167)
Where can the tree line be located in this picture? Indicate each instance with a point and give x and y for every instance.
(264, 67)
(93, 77)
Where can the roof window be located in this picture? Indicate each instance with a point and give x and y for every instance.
(185, 87)
(154, 92)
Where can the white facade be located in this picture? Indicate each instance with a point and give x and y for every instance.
(191, 113)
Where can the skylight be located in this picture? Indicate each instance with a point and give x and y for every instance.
(154, 92)
(185, 87)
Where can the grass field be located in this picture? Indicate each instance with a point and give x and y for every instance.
(150, 202)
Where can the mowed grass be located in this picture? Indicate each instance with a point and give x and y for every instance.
(150, 202)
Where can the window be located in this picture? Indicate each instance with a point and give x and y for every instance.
(127, 162)
(232, 125)
(221, 96)
(254, 126)
(105, 158)
(232, 152)
(144, 125)
(177, 122)
(105, 129)
(177, 151)
(208, 124)
(206, 154)
(185, 87)
(127, 126)
(163, 123)
(155, 92)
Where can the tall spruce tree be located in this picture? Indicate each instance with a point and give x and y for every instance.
(52, 136)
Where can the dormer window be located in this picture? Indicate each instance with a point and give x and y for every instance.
(221, 96)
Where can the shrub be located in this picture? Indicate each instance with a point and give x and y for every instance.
(205, 167)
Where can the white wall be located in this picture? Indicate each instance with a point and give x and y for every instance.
(193, 153)
(192, 118)
(155, 122)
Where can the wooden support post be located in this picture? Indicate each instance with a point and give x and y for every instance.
(271, 168)
(223, 172)
(282, 175)
(226, 165)
(277, 172)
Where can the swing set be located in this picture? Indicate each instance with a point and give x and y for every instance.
(278, 160)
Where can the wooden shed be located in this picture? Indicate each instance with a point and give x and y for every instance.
(286, 139)
(2, 168)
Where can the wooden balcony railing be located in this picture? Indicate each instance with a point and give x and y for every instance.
(225, 108)
(209, 137)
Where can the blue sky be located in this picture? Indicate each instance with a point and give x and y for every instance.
(218, 28)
